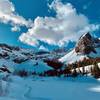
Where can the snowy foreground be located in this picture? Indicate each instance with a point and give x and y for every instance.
(37, 88)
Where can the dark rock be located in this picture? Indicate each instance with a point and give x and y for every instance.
(87, 44)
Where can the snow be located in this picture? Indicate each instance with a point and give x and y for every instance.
(49, 88)
(29, 66)
(29, 63)
(46, 88)
(10, 65)
(72, 57)
(95, 89)
(42, 48)
(37, 66)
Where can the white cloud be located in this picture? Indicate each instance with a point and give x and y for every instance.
(28, 39)
(66, 25)
(9, 15)
(15, 28)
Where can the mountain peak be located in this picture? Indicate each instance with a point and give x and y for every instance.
(86, 44)
(86, 35)
(87, 47)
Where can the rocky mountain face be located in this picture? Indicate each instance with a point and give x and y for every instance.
(87, 47)
(87, 44)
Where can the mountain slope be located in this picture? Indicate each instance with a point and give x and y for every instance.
(87, 47)
(72, 56)
(18, 59)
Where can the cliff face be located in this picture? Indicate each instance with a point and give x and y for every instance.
(87, 44)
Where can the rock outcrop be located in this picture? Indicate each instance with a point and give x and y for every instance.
(87, 44)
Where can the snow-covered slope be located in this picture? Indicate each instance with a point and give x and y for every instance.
(29, 66)
(36, 66)
(48, 88)
(72, 56)
(18, 59)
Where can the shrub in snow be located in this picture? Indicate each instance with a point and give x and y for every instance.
(67, 71)
(74, 73)
(54, 63)
(95, 71)
(22, 73)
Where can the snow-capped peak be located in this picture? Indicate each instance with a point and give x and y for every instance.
(86, 47)
(42, 48)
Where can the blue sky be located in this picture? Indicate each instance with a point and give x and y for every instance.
(30, 9)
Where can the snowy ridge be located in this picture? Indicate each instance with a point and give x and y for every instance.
(18, 59)
(72, 57)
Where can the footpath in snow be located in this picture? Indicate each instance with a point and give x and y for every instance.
(36, 88)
